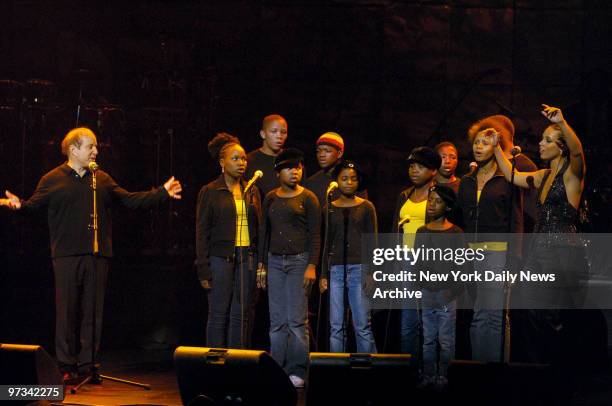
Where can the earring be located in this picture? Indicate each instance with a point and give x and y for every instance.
(222, 169)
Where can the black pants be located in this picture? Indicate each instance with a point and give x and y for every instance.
(80, 282)
(225, 301)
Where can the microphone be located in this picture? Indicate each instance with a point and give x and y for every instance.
(403, 221)
(473, 167)
(93, 166)
(332, 186)
(516, 150)
(258, 174)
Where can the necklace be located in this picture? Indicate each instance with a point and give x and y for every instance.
(483, 176)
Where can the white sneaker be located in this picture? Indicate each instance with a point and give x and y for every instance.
(296, 381)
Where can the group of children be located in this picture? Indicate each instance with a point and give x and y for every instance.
(277, 225)
(284, 232)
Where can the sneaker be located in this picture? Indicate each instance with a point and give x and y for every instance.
(296, 381)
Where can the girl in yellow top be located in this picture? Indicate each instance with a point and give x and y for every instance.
(409, 216)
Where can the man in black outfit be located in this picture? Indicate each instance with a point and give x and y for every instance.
(80, 265)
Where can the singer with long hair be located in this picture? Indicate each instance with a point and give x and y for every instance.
(227, 222)
(408, 217)
(555, 248)
(349, 280)
(289, 253)
(80, 261)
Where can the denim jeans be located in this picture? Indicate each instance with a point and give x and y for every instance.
(409, 323)
(486, 328)
(288, 302)
(409, 331)
(439, 315)
(224, 300)
(360, 309)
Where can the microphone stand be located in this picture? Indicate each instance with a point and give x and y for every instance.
(388, 322)
(245, 206)
(94, 376)
(325, 261)
(506, 328)
(345, 301)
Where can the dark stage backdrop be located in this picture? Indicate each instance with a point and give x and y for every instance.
(156, 79)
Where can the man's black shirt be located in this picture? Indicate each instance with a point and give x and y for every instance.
(68, 199)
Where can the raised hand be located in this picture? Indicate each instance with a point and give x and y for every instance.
(12, 201)
(553, 114)
(492, 134)
(174, 188)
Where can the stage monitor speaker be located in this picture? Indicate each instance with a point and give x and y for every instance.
(219, 376)
(359, 379)
(496, 383)
(27, 365)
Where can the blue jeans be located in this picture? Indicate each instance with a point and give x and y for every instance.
(360, 308)
(288, 303)
(409, 323)
(486, 328)
(439, 315)
(409, 331)
(224, 300)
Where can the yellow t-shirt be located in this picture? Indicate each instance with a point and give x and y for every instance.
(416, 212)
(242, 223)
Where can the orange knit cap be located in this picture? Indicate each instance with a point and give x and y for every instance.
(333, 139)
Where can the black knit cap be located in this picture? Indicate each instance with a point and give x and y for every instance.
(425, 156)
(447, 194)
(288, 158)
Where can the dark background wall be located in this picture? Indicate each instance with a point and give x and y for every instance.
(157, 79)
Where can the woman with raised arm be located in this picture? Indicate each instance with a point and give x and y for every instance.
(556, 248)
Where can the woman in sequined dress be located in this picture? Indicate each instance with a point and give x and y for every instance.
(556, 248)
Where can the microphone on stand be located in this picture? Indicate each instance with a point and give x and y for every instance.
(256, 176)
(332, 186)
(93, 166)
(516, 150)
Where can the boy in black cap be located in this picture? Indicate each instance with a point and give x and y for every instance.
(409, 216)
(439, 298)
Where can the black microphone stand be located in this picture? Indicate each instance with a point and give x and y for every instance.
(245, 205)
(325, 261)
(506, 328)
(388, 321)
(94, 376)
(345, 300)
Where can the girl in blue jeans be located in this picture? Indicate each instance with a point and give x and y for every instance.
(350, 217)
(289, 250)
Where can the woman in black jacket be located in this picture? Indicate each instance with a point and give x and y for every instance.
(488, 208)
(227, 221)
